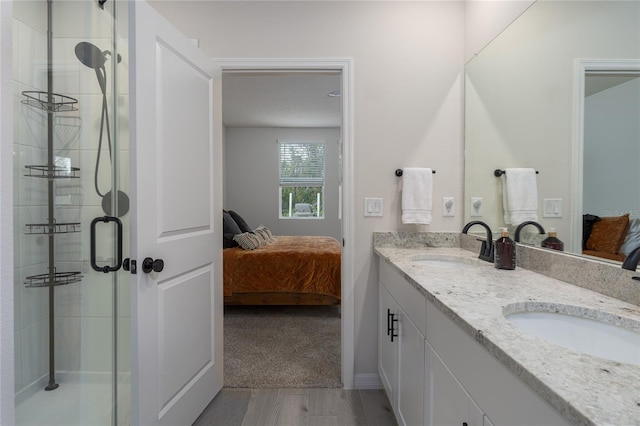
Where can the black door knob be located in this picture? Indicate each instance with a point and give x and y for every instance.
(148, 265)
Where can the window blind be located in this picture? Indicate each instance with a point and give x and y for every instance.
(302, 164)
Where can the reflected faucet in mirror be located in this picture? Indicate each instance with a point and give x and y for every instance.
(631, 262)
(523, 224)
(486, 250)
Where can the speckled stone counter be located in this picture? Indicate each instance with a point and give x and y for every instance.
(585, 389)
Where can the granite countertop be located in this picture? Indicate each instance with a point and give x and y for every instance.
(585, 389)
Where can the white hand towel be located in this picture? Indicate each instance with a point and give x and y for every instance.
(417, 189)
(519, 196)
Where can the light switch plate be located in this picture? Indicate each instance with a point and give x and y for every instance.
(476, 207)
(448, 206)
(373, 207)
(552, 207)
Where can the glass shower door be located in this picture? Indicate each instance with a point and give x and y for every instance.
(71, 214)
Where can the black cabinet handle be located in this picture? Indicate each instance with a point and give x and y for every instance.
(388, 322)
(393, 320)
(106, 268)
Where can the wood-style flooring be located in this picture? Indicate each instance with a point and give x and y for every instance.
(298, 407)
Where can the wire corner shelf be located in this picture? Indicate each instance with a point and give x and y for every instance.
(55, 279)
(54, 103)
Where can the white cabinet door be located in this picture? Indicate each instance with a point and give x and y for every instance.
(400, 359)
(447, 403)
(388, 349)
(410, 373)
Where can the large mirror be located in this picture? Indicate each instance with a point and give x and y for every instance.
(558, 91)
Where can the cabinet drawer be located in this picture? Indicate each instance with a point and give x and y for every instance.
(411, 300)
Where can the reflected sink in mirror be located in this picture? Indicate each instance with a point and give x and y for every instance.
(580, 329)
(446, 263)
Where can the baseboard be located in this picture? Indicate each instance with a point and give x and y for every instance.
(367, 381)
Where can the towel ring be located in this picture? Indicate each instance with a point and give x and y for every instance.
(399, 172)
(498, 172)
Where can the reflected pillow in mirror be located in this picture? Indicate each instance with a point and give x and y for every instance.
(608, 234)
(632, 239)
(588, 220)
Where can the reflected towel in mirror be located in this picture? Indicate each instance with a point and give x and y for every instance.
(519, 195)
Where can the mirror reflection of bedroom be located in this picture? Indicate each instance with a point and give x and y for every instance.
(282, 229)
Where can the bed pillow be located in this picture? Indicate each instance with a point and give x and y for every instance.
(588, 220)
(248, 240)
(608, 234)
(632, 239)
(229, 230)
(265, 234)
(242, 224)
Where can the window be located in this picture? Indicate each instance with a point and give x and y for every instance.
(302, 179)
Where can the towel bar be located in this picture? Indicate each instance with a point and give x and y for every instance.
(399, 172)
(498, 172)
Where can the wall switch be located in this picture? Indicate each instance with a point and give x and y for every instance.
(373, 207)
(448, 207)
(476, 206)
(552, 207)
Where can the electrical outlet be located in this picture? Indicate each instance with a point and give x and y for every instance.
(476, 206)
(448, 206)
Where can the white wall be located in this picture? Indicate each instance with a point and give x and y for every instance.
(485, 19)
(407, 61)
(251, 178)
(612, 151)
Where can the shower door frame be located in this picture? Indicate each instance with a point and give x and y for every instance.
(8, 97)
(7, 384)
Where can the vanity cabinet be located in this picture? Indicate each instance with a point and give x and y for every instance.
(446, 401)
(401, 348)
(435, 373)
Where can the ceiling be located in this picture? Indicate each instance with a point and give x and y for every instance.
(597, 82)
(280, 99)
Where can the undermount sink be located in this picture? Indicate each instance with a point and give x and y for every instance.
(446, 263)
(580, 329)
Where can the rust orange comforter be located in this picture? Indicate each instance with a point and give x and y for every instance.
(302, 264)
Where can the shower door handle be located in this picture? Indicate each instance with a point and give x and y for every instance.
(106, 268)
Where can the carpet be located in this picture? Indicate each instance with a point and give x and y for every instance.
(282, 347)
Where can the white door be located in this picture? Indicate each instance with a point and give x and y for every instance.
(176, 217)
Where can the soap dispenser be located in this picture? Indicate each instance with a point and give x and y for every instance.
(505, 251)
(552, 241)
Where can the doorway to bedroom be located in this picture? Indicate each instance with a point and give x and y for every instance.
(270, 112)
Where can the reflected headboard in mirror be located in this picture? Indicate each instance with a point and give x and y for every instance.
(527, 102)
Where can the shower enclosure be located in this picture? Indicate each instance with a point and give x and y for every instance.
(71, 213)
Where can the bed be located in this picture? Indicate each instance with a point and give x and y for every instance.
(292, 270)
